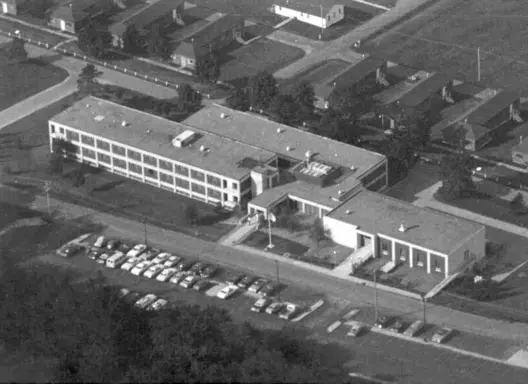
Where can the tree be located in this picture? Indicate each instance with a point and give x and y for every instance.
(208, 68)
(317, 231)
(303, 95)
(350, 101)
(17, 50)
(158, 44)
(335, 126)
(132, 40)
(38, 8)
(284, 109)
(238, 99)
(191, 214)
(262, 89)
(188, 98)
(93, 41)
(55, 164)
(456, 175)
(87, 77)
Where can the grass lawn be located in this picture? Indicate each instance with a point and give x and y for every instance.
(12, 25)
(260, 240)
(446, 38)
(20, 80)
(505, 139)
(260, 55)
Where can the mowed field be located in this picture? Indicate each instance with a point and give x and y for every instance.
(446, 37)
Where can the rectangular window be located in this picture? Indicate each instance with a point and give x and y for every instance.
(213, 180)
(197, 175)
(135, 168)
(119, 163)
(166, 178)
(235, 186)
(245, 184)
(134, 155)
(213, 193)
(52, 128)
(87, 140)
(166, 165)
(198, 188)
(118, 150)
(88, 153)
(103, 158)
(149, 172)
(62, 131)
(104, 145)
(72, 136)
(181, 170)
(150, 160)
(224, 183)
(182, 183)
(384, 247)
(403, 256)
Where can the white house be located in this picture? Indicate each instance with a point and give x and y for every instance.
(322, 15)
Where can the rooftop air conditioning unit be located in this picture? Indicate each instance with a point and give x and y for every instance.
(279, 130)
(340, 192)
(348, 212)
(308, 154)
(288, 148)
(402, 228)
(124, 123)
(202, 148)
(223, 115)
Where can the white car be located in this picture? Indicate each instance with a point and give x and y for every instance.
(145, 301)
(288, 312)
(102, 259)
(137, 250)
(274, 308)
(130, 263)
(442, 335)
(172, 261)
(157, 305)
(260, 305)
(81, 238)
(166, 274)
(153, 270)
(414, 328)
(160, 259)
(189, 281)
(355, 329)
(227, 292)
(141, 267)
(123, 292)
(100, 242)
(178, 277)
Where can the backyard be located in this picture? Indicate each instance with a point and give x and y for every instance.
(447, 36)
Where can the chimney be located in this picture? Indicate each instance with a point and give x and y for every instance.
(402, 228)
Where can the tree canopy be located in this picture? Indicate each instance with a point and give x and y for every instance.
(238, 99)
(284, 109)
(335, 126)
(132, 40)
(87, 77)
(456, 175)
(208, 68)
(188, 98)
(158, 43)
(303, 95)
(17, 50)
(94, 41)
(262, 89)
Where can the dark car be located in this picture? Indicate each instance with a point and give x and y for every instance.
(209, 271)
(382, 322)
(94, 254)
(245, 282)
(396, 326)
(132, 297)
(112, 244)
(201, 285)
(71, 250)
(235, 279)
(269, 289)
(149, 254)
(123, 248)
(258, 285)
(197, 267)
(185, 265)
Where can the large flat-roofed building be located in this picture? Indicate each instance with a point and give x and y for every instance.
(404, 233)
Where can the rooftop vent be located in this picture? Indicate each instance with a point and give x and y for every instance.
(279, 130)
(223, 115)
(308, 154)
(288, 148)
(87, 105)
(340, 192)
(402, 228)
(99, 118)
(124, 123)
(203, 148)
(352, 168)
(183, 139)
(348, 212)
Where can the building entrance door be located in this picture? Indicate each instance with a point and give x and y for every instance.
(364, 241)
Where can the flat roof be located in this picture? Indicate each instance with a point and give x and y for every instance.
(426, 88)
(379, 214)
(154, 134)
(263, 133)
(492, 107)
(398, 91)
(309, 8)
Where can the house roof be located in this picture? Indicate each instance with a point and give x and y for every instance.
(263, 133)
(153, 134)
(522, 147)
(454, 132)
(397, 91)
(76, 10)
(380, 214)
(310, 8)
(492, 107)
(426, 88)
(145, 16)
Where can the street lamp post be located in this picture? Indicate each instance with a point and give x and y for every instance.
(278, 279)
(376, 295)
(424, 307)
(47, 190)
(145, 230)
(335, 258)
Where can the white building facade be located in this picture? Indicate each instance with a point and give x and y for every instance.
(322, 17)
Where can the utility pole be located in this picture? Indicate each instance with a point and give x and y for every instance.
(322, 20)
(271, 217)
(145, 231)
(478, 64)
(375, 295)
(424, 309)
(47, 189)
(278, 280)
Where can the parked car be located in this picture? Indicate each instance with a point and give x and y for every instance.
(82, 238)
(137, 250)
(185, 265)
(245, 282)
(227, 292)
(209, 271)
(122, 247)
(123, 292)
(442, 335)
(166, 274)
(149, 254)
(93, 254)
(356, 328)
(140, 268)
(157, 305)
(105, 256)
(112, 244)
(197, 267)
(288, 311)
(130, 263)
(132, 297)
(258, 285)
(146, 300)
(172, 261)
(153, 271)
(178, 277)
(274, 308)
(189, 281)
(260, 305)
(382, 322)
(234, 279)
(201, 285)
(414, 328)
(160, 258)
(69, 250)
(100, 242)
(396, 326)
(269, 289)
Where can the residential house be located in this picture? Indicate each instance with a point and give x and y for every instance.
(196, 42)
(71, 15)
(368, 75)
(143, 17)
(8, 6)
(322, 14)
